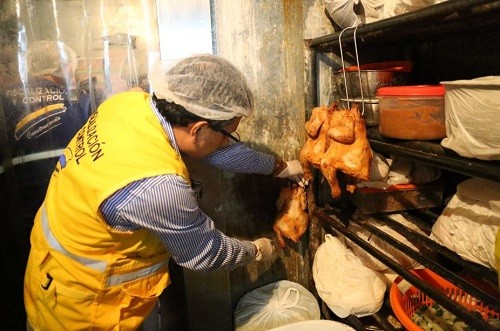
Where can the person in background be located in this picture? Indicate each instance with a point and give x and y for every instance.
(120, 203)
(40, 114)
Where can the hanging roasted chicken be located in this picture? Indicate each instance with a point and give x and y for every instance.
(292, 219)
(336, 140)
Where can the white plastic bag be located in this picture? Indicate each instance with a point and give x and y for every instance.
(342, 12)
(470, 221)
(471, 111)
(397, 7)
(344, 283)
(373, 9)
(276, 304)
(379, 168)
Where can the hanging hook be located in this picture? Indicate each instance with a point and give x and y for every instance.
(359, 73)
(357, 65)
(343, 66)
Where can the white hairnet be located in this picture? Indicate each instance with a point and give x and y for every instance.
(50, 57)
(206, 85)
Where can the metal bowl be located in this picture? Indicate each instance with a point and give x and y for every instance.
(371, 80)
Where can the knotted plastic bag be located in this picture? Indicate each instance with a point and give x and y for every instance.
(342, 12)
(276, 304)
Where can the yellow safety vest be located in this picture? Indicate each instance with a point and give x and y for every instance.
(497, 255)
(82, 274)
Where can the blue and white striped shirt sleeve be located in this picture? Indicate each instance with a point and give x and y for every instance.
(239, 157)
(167, 206)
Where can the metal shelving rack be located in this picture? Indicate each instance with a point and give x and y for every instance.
(432, 153)
(454, 16)
(449, 19)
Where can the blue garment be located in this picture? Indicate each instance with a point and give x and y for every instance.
(167, 206)
(40, 118)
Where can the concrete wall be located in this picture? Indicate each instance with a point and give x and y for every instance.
(266, 40)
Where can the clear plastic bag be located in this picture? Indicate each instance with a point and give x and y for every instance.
(276, 304)
(60, 60)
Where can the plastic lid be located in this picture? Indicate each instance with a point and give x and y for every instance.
(412, 90)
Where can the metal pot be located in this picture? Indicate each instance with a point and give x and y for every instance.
(371, 80)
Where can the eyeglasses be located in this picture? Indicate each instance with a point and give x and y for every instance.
(230, 136)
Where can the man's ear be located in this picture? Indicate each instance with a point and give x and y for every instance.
(196, 128)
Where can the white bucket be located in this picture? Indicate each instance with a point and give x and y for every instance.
(315, 325)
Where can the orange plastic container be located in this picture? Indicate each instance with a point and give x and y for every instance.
(405, 305)
(412, 112)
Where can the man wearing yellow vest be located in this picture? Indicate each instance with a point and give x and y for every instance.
(120, 203)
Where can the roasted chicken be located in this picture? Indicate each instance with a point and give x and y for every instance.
(336, 141)
(317, 140)
(292, 219)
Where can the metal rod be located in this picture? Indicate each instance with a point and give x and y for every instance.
(488, 298)
(476, 269)
(457, 164)
(330, 224)
(350, 320)
(382, 321)
(312, 79)
(449, 10)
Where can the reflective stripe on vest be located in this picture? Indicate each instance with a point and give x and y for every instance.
(54, 243)
(35, 157)
(96, 264)
(122, 278)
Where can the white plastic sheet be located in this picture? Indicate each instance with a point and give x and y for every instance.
(397, 7)
(471, 110)
(344, 283)
(342, 12)
(60, 59)
(470, 221)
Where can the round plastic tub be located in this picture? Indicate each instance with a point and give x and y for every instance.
(412, 112)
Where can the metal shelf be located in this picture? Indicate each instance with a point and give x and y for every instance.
(432, 153)
(444, 19)
(426, 36)
(331, 223)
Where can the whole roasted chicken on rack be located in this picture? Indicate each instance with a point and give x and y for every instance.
(336, 140)
(292, 219)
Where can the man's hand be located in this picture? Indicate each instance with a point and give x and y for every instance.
(294, 172)
(265, 249)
